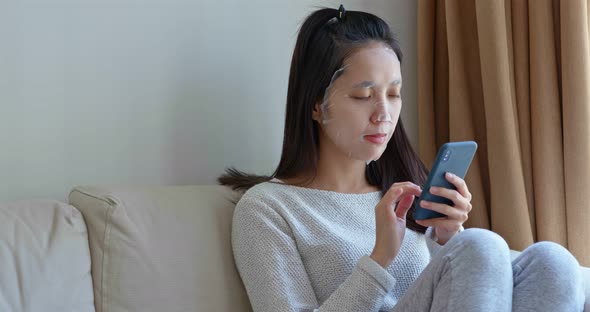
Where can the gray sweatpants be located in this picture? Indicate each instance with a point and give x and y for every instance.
(473, 272)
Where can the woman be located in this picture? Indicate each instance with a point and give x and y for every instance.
(330, 229)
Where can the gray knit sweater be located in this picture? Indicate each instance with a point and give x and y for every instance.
(301, 249)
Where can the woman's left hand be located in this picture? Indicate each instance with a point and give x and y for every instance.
(446, 227)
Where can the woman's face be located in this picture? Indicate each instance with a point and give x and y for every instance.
(362, 104)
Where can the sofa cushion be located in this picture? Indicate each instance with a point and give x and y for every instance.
(161, 248)
(44, 258)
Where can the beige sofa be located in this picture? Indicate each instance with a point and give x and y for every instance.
(160, 248)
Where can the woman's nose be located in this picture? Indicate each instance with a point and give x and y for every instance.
(381, 113)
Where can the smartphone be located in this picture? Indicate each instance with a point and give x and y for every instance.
(454, 157)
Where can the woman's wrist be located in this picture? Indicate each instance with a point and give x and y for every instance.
(442, 236)
(381, 260)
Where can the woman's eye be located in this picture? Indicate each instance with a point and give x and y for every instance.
(364, 98)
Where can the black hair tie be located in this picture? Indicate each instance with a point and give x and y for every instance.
(341, 13)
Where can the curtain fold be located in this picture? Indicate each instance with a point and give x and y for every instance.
(514, 76)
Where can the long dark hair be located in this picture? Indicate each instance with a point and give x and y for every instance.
(323, 44)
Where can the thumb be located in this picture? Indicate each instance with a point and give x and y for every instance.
(404, 205)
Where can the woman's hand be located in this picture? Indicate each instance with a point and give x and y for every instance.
(446, 227)
(390, 218)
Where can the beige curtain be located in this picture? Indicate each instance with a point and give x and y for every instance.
(514, 76)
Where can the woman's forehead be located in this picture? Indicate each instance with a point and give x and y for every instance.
(372, 58)
(370, 66)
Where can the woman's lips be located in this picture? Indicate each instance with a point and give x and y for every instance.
(376, 138)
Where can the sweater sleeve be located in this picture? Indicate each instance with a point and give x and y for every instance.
(432, 241)
(273, 274)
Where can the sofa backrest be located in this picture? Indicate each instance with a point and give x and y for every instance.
(44, 258)
(161, 248)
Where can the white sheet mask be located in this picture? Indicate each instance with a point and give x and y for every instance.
(327, 94)
(361, 101)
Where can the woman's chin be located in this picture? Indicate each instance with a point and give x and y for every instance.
(365, 154)
(372, 157)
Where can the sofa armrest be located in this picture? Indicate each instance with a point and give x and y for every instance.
(44, 258)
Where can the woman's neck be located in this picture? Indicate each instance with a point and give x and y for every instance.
(344, 175)
(338, 173)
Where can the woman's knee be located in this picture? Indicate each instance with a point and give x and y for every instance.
(553, 264)
(554, 259)
(483, 244)
(483, 238)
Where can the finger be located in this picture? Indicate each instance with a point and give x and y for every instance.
(404, 205)
(392, 195)
(458, 200)
(411, 188)
(431, 222)
(405, 184)
(459, 184)
(451, 212)
(396, 190)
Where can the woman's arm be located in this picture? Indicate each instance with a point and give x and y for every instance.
(274, 276)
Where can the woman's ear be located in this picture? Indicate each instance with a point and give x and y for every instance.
(316, 114)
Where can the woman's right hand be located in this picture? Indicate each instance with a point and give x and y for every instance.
(390, 218)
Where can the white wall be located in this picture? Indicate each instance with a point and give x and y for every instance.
(153, 91)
